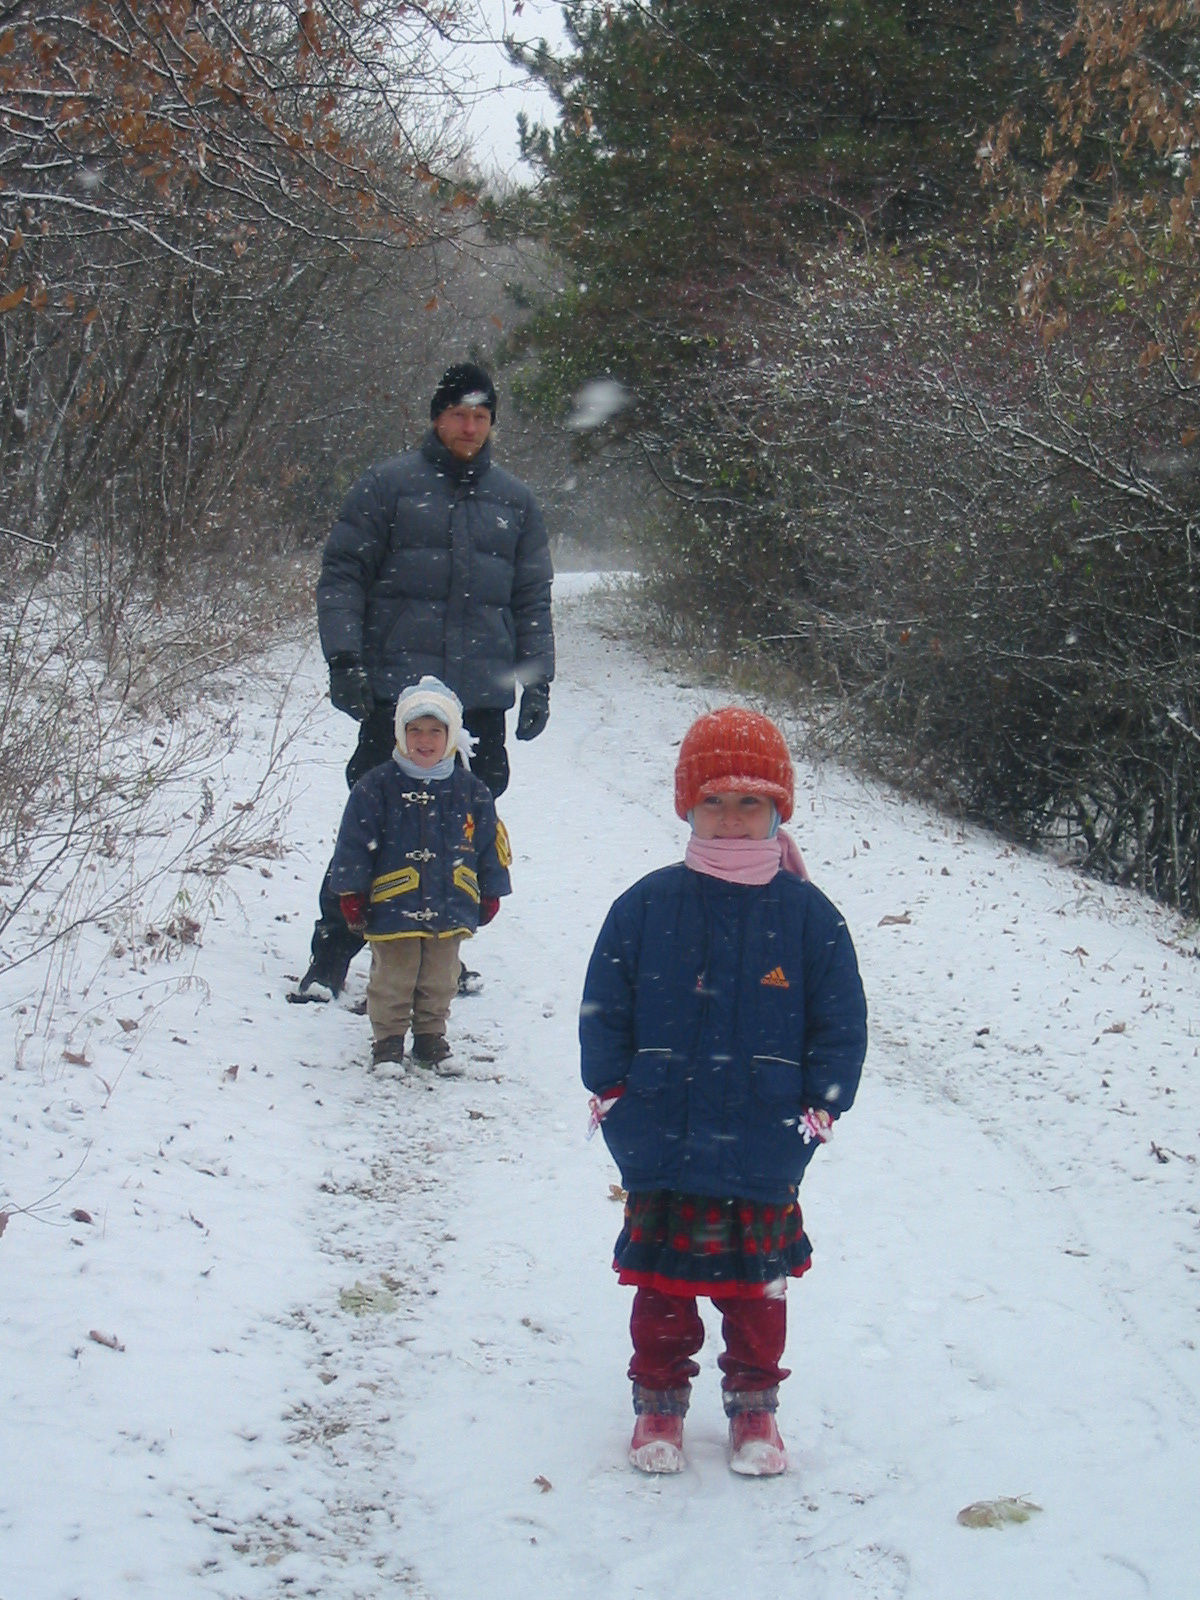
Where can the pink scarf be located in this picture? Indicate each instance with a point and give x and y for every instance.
(746, 860)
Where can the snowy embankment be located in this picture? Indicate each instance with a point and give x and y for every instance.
(366, 1338)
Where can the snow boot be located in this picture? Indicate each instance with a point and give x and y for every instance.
(657, 1443)
(433, 1050)
(330, 963)
(468, 982)
(757, 1448)
(387, 1056)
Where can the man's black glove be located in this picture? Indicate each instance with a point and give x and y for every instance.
(535, 710)
(350, 688)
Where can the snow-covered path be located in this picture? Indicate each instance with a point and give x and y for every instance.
(1004, 1300)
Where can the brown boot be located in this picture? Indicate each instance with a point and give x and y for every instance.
(387, 1056)
(432, 1050)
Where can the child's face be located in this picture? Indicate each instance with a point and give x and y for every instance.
(733, 816)
(425, 741)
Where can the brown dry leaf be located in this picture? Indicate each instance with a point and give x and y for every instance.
(903, 920)
(81, 1216)
(108, 1340)
(231, 1072)
(1116, 1027)
(615, 1192)
(543, 1483)
(128, 1024)
(76, 1058)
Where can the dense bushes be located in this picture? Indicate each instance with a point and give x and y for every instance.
(920, 390)
(978, 550)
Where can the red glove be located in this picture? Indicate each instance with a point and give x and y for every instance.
(488, 908)
(354, 909)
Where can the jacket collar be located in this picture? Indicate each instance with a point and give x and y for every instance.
(460, 471)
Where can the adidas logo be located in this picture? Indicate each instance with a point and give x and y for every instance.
(775, 979)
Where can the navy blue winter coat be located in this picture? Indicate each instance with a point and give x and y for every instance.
(724, 1010)
(440, 566)
(426, 851)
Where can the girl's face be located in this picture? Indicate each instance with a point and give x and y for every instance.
(425, 741)
(733, 816)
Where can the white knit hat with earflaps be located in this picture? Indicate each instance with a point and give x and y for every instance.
(431, 698)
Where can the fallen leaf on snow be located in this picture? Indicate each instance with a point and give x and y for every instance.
(995, 1513)
(128, 1024)
(902, 920)
(615, 1192)
(108, 1340)
(231, 1072)
(1116, 1027)
(364, 1298)
(543, 1483)
(76, 1058)
(77, 1216)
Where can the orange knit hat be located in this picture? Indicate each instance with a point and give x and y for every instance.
(733, 751)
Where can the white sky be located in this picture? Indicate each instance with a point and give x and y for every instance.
(496, 90)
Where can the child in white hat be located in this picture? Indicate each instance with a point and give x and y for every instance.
(421, 862)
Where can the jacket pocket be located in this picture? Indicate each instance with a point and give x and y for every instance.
(392, 884)
(465, 879)
(635, 1128)
(775, 1148)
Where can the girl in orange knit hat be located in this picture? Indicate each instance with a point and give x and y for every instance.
(723, 1031)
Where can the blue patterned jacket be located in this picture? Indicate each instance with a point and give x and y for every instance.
(426, 852)
(723, 1011)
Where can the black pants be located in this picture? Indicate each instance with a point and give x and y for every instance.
(334, 945)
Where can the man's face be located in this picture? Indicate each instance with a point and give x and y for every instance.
(463, 430)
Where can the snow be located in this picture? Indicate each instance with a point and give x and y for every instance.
(369, 1340)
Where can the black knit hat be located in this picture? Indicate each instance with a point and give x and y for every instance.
(463, 381)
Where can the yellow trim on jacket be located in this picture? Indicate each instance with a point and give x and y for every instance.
(466, 879)
(392, 884)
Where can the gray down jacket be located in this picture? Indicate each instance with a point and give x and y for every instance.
(440, 566)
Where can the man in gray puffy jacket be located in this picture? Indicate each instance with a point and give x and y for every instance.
(438, 563)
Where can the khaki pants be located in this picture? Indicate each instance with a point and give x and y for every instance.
(412, 981)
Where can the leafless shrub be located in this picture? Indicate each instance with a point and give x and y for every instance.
(983, 547)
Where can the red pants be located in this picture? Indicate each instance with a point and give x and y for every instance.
(667, 1332)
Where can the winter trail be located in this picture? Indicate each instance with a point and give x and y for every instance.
(1003, 1300)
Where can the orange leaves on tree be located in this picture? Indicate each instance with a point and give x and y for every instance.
(310, 33)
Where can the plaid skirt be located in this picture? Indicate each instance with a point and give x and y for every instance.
(695, 1244)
